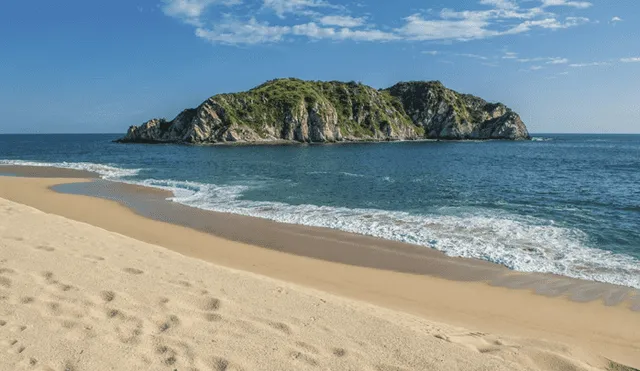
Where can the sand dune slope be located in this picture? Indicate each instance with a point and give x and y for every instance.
(75, 297)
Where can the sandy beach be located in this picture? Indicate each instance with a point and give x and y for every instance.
(98, 286)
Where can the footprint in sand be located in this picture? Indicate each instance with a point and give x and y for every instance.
(167, 355)
(107, 296)
(49, 279)
(45, 248)
(5, 282)
(18, 328)
(307, 347)
(128, 329)
(223, 364)
(32, 362)
(212, 317)
(211, 304)
(169, 323)
(339, 352)
(384, 367)
(27, 300)
(93, 258)
(282, 327)
(133, 271)
(14, 238)
(302, 357)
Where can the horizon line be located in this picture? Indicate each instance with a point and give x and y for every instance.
(531, 133)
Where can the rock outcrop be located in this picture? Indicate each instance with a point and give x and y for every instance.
(446, 114)
(294, 110)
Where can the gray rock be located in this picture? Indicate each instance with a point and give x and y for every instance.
(294, 110)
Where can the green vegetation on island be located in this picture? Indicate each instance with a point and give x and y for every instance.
(315, 111)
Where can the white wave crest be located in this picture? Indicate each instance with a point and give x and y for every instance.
(521, 243)
(525, 244)
(105, 171)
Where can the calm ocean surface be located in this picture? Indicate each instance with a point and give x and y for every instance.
(566, 204)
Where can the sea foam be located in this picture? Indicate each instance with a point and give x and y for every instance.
(525, 244)
(105, 171)
(522, 243)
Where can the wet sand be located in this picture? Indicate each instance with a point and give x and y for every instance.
(343, 247)
(474, 294)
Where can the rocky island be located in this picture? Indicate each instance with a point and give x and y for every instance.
(294, 110)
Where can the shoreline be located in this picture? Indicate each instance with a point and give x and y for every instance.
(342, 247)
(284, 142)
(324, 243)
(471, 303)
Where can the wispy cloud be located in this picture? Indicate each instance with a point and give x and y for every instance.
(547, 60)
(575, 4)
(590, 64)
(616, 19)
(342, 21)
(300, 7)
(475, 56)
(630, 60)
(313, 31)
(558, 61)
(321, 19)
(548, 23)
(430, 52)
(191, 11)
(556, 75)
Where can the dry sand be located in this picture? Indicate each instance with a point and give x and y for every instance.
(79, 297)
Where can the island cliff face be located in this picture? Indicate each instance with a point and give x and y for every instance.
(446, 114)
(317, 112)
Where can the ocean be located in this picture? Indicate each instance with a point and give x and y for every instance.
(563, 204)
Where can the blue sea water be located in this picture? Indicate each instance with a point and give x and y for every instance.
(564, 204)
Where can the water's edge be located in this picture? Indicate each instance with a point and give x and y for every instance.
(394, 226)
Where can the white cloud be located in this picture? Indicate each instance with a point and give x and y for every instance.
(366, 35)
(417, 28)
(301, 7)
(501, 4)
(430, 52)
(342, 21)
(510, 55)
(616, 19)
(546, 60)
(254, 32)
(321, 19)
(235, 32)
(591, 64)
(536, 68)
(575, 4)
(191, 11)
(528, 60)
(475, 56)
(312, 30)
(630, 60)
(558, 61)
(548, 23)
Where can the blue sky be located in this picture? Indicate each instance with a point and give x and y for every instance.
(100, 66)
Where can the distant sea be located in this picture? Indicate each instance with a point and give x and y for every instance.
(564, 204)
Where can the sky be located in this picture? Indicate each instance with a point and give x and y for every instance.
(79, 66)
